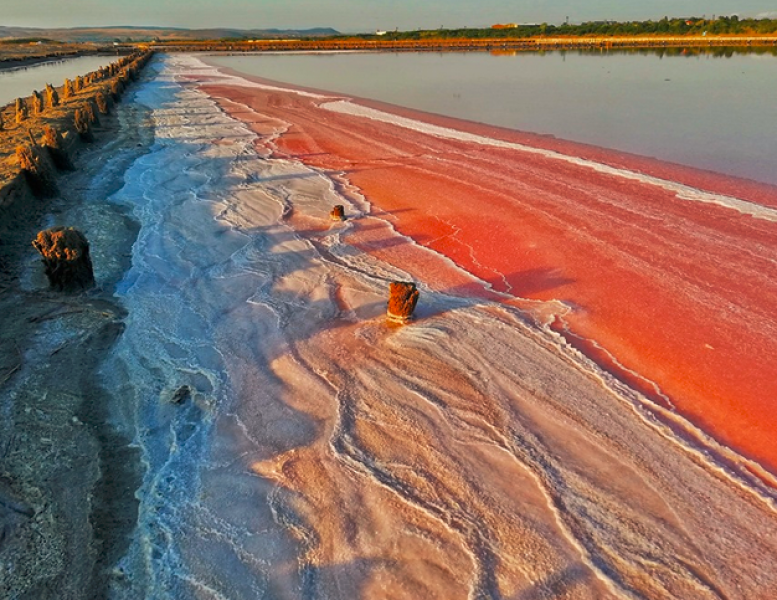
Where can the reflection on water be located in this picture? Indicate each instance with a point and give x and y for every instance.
(19, 83)
(709, 108)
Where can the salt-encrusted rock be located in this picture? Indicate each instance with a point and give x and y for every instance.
(403, 296)
(338, 213)
(65, 253)
(180, 395)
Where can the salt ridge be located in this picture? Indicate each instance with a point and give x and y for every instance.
(683, 192)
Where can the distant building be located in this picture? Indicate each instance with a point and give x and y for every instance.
(504, 26)
(379, 32)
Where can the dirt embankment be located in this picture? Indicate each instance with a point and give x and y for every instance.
(67, 479)
(24, 54)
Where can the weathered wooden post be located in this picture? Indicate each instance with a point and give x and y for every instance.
(55, 145)
(102, 102)
(338, 213)
(67, 89)
(21, 110)
(403, 297)
(66, 259)
(83, 125)
(37, 103)
(38, 178)
(52, 97)
(91, 113)
(116, 90)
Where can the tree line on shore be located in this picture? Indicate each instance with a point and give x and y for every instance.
(723, 25)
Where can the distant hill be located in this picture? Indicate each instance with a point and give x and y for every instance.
(146, 34)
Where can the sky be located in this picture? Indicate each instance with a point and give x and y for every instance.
(357, 15)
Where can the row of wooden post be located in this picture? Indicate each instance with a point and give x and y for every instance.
(123, 70)
(65, 250)
(68, 266)
(32, 165)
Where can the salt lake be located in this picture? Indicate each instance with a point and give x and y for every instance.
(713, 111)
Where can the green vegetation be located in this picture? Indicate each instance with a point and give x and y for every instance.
(676, 26)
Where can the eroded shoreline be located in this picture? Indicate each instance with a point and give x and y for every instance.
(68, 477)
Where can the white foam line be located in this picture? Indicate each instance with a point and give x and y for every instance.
(684, 192)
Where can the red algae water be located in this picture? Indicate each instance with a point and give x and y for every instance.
(668, 280)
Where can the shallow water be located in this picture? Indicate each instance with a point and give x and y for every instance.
(324, 454)
(705, 111)
(20, 83)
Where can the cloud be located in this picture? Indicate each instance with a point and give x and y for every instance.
(772, 14)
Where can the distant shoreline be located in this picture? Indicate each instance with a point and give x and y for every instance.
(473, 44)
(9, 64)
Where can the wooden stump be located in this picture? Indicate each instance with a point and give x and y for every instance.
(36, 173)
(102, 103)
(338, 213)
(116, 89)
(90, 111)
(66, 259)
(403, 296)
(55, 146)
(83, 125)
(52, 97)
(37, 103)
(21, 110)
